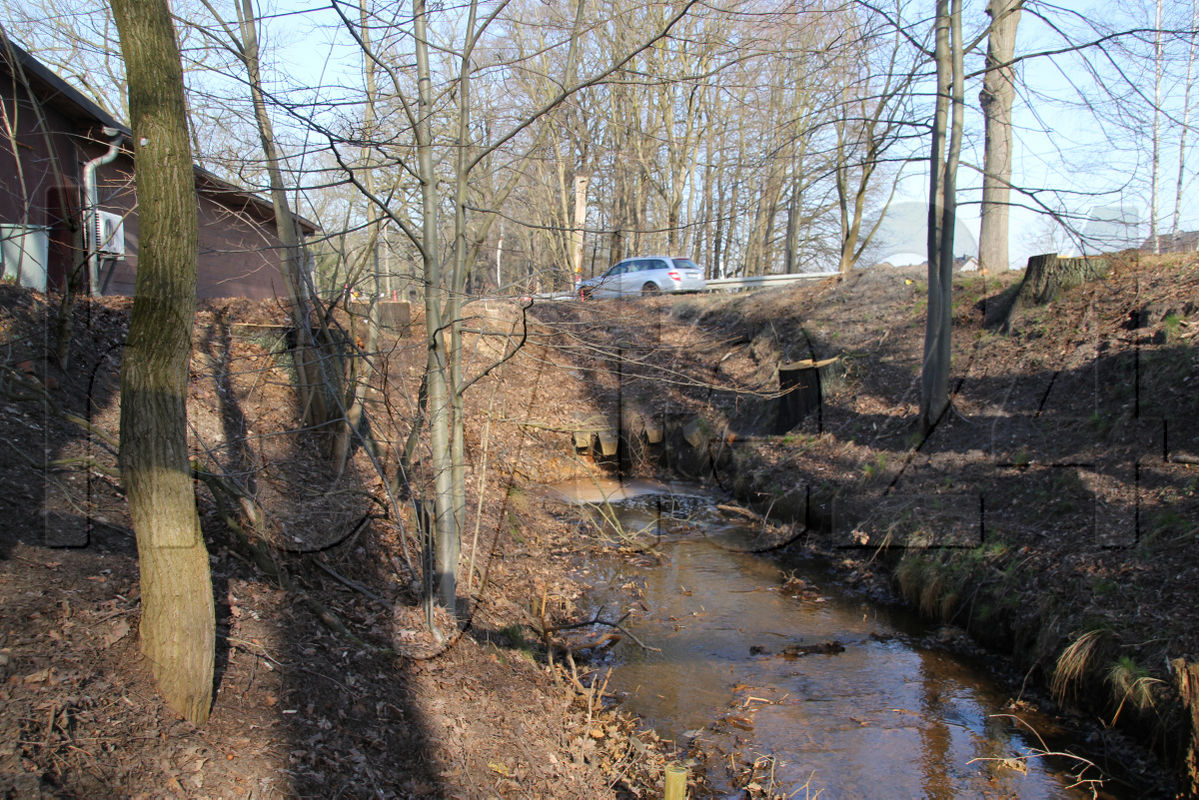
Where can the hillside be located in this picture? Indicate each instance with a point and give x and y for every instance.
(329, 684)
(1051, 515)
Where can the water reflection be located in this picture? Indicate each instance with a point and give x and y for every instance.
(748, 669)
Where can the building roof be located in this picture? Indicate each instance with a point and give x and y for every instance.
(229, 194)
(52, 89)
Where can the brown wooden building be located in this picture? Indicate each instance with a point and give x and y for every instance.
(66, 168)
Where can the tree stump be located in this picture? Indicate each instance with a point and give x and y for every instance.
(1046, 276)
(1187, 675)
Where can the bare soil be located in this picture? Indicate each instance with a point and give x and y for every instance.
(1059, 496)
(382, 709)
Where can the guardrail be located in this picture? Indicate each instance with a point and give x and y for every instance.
(758, 281)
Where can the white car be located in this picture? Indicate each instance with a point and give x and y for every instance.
(645, 276)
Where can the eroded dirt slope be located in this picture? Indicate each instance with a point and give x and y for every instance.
(380, 709)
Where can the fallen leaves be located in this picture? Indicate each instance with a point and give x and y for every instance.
(117, 631)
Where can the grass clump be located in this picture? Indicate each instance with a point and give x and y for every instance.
(1131, 685)
(1075, 661)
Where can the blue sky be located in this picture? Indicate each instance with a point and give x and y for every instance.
(1061, 149)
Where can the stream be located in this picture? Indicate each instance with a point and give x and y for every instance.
(783, 680)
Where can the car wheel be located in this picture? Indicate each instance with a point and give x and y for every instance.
(650, 289)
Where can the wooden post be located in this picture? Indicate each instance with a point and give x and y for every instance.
(676, 782)
(580, 222)
(800, 392)
(499, 256)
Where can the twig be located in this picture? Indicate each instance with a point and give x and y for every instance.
(243, 646)
(738, 510)
(87, 463)
(358, 587)
(597, 621)
(1081, 763)
(265, 560)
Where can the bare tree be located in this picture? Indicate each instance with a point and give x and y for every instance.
(446, 155)
(870, 119)
(942, 211)
(318, 393)
(178, 624)
(1156, 112)
(1184, 127)
(996, 99)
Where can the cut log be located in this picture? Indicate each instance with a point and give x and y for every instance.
(695, 433)
(609, 441)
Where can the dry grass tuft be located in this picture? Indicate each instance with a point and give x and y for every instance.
(1131, 685)
(907, 575)
(931, 593)
(1074, 662)
(949, 604)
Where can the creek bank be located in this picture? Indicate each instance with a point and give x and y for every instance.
(1053, 512)
(775, 681)
(981, 599)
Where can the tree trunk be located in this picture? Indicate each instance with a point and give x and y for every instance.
(437, 367)
(996, 98)
(942, 214)
(1185, 119)
(358, 385)
(1155, 156)
(849, 230)
(315, 380)
(463, 257)
(177, 625)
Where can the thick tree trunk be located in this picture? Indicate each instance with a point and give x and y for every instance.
(177, 625)
(996, 98)
(1045, 277)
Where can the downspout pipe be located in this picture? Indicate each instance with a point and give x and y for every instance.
(91, 199)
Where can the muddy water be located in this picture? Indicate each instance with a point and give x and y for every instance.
(828, 695)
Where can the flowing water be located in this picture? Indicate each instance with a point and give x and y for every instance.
(761, 660)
